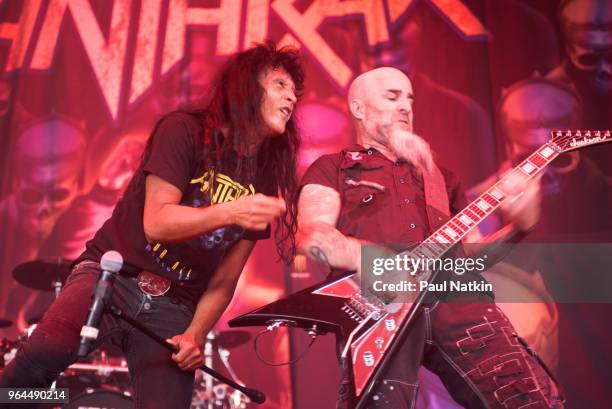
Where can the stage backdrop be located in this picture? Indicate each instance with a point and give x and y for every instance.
(82, 82)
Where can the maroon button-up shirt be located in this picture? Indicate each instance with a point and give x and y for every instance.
(382, 201)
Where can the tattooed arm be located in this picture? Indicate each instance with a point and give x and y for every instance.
(318, 212)
(318, 238)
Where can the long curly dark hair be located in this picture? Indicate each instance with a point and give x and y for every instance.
(234, 103)
(231, 116)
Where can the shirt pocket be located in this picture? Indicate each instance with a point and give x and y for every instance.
(362, 195)
(355, 197)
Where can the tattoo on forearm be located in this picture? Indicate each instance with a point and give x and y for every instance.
(319, 255)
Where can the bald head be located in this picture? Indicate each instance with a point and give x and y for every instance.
(380, 102)
(379, 99)
(376, 79)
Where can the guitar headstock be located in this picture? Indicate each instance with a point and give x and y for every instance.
(565, 141)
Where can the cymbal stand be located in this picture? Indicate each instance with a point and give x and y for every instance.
(237, 397)
(57, 287)
(208, 361)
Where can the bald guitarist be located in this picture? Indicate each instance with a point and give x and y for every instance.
(388, 189)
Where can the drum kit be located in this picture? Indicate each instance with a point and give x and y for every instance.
(102, 379)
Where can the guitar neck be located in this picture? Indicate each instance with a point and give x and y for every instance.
(453, 231)
(385, 339)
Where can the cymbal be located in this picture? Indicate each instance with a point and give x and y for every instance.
(42, 274)
(232, 338)
(5, 323)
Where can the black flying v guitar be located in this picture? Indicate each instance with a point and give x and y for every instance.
(369, 328)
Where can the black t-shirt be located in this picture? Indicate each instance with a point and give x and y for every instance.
(174, 156)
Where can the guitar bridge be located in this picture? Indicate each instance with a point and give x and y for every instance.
(357, 308)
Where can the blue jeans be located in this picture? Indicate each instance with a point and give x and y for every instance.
(157, 380)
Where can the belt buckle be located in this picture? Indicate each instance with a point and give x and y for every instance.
(152, 284)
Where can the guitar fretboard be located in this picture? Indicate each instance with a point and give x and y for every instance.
(371, 351)
(457, 227)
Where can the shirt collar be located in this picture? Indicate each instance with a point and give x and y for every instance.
(368, 151)
(356, 148)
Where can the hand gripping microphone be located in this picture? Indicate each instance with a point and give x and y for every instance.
(110, 263)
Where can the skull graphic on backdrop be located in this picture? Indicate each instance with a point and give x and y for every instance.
(528, 112)
(47, 166)
(587, 30)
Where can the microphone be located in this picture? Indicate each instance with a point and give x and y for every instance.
(110, 263)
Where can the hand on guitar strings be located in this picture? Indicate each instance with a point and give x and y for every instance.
(523, 204)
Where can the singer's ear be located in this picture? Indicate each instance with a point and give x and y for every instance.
(357, 108)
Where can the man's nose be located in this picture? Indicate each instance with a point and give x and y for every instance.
(405, 107)
(291, 96)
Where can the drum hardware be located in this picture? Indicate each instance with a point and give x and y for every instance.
(8, 349)
(237, 399)
(224, 355)
(208, 361)
(102, 380)
(209, 393)
(44, 275)
(33, 320)
(219, 392)
(98, 369)
(232, 338)
(99, 381)
(28, 332)
(100, 398)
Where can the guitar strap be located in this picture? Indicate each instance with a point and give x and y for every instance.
(436, 198)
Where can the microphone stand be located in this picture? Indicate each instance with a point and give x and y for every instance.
(253, 394)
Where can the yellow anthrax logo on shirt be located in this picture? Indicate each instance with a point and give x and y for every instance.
(224, 188)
